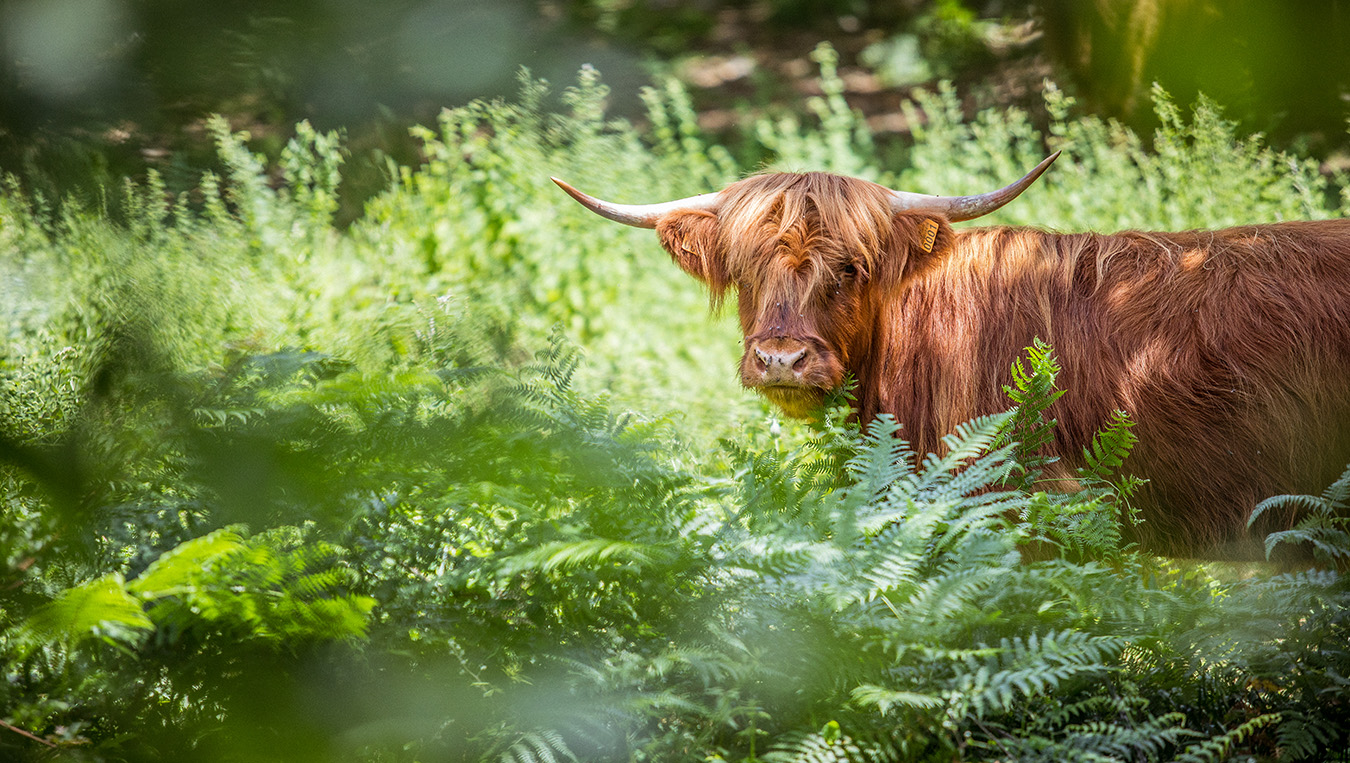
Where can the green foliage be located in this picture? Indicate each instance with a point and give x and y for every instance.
(101, 608)
(1195, 173)
(1085, 524)
(1221, 747)
(216, 584)
(1032, 392)
(840, 143)
(276, 491)
(1322, 524)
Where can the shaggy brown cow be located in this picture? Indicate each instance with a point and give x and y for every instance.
(1230, 349)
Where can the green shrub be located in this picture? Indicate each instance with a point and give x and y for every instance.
(278, 491)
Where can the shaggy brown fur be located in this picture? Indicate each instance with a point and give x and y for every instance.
(1230, 348)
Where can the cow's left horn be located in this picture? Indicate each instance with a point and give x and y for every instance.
(638, 215)
(958, 208)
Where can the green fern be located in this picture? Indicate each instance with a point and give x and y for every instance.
(1097, 741)
(1021, 669)
(1029, 430)
(1084, 523)
(817, 747)
(538, 747)
(1324, 524)
(1309, 736)
(1220, 747)
(468, 549)
(184, 567)
(1104, 459)
(884, 699)
(561, 555)
(101, 609)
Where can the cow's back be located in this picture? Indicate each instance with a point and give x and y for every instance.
(1230, 349)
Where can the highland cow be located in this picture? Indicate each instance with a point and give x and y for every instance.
(1230, 349)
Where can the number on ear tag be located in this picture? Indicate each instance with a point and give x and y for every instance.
(929, 230)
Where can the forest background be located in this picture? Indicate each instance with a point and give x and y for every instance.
(331, 430)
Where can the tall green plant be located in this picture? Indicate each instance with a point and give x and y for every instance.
(275, 490)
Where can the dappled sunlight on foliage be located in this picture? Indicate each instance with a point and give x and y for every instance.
(473, 480)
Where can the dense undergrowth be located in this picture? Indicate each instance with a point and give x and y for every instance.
(472, 479)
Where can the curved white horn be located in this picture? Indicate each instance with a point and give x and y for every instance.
(958, 208)
(638, 215)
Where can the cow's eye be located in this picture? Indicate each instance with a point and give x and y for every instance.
(850, 270)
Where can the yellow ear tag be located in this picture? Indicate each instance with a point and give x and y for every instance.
(929, 230)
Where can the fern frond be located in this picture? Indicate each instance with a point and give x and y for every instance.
(1110, 446)
(1303, 504)
(884, 699)
(564, 554)
(952, 596)
(968, 441)
(1334, 498)
(1028, 429)
(1324, 525)
(1036, 665)
(1300, 736)
(100, 608)
(183, 566)
(1100, 741)
(816, 747)
(1220, 747)
(882, 458)
(538, 747)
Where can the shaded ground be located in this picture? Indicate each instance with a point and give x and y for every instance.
(745, 69)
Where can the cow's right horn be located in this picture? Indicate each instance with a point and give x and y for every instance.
(639, 215)
(958, 208)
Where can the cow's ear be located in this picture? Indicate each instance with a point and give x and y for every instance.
(921, 239)
(691, 238)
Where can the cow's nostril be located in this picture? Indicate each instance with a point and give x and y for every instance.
(780, 365)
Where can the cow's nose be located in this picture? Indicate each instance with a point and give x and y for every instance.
(780, 360)
(779, 357)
